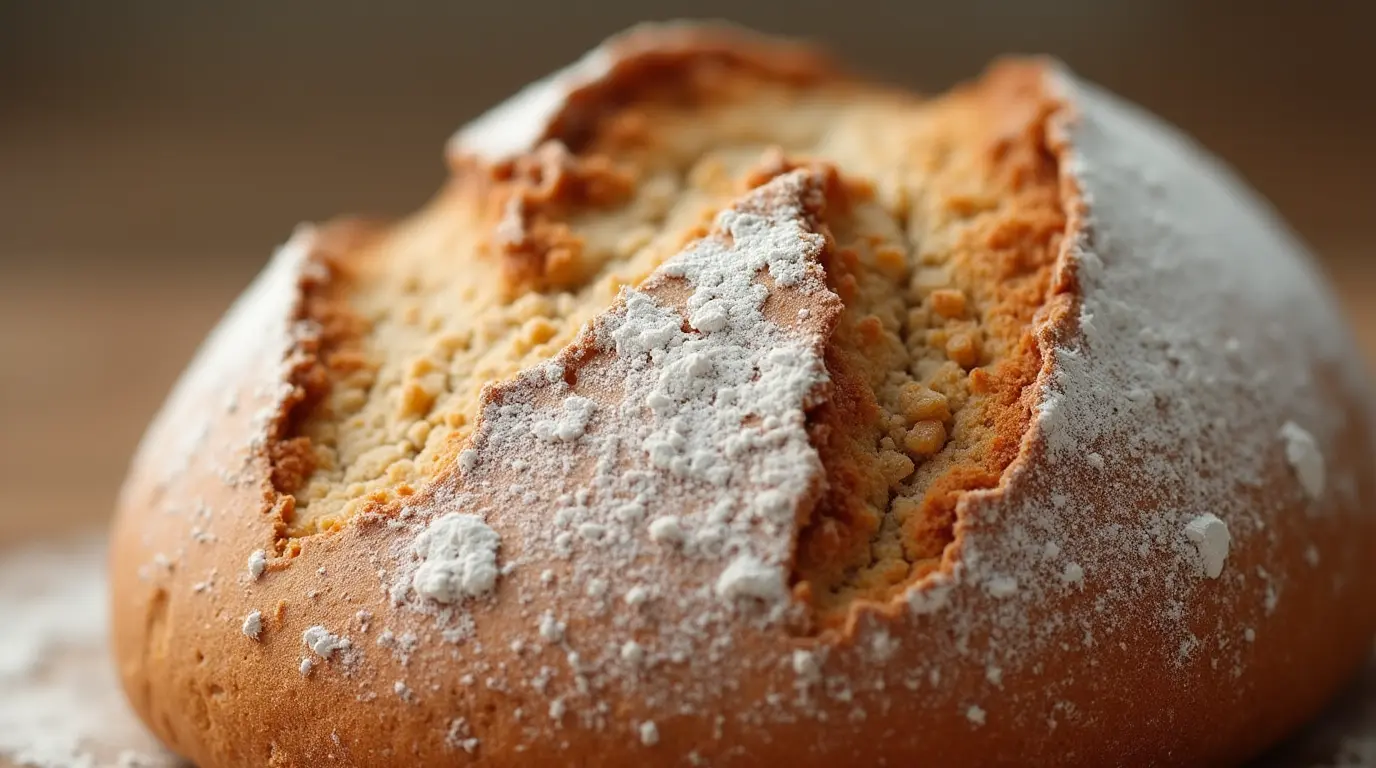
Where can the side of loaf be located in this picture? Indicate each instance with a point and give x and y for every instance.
(724, 409)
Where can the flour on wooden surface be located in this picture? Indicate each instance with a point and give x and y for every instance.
(60, 704)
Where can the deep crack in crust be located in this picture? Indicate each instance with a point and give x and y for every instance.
(935, 392)
(327, 348)
(942, 265)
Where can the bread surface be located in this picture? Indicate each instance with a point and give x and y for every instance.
(726, 409)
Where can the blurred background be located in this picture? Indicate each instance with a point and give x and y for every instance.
(153, 152)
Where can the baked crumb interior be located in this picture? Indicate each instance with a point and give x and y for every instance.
(941, 255)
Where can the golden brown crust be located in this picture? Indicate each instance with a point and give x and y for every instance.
(1069, 619)
(530, 193)
(530, 199)
(675, 63)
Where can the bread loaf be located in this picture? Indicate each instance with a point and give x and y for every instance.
(727, 409)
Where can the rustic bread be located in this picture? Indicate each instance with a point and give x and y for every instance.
(724, 409)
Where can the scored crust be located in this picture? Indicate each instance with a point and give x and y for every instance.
(726, 409)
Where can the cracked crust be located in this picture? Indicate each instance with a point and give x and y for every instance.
(986, 602)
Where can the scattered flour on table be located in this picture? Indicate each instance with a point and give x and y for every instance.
(60, 705)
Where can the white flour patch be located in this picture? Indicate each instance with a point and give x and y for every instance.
(551, 630)
(1211, 539)
(1002, 586)
(749, 577)
(637, 596)
(60, 705)
(649, 733)
(253, 625)
(667, 530)
(806, 667)
(633, 653)
(1303, 454)
(459, 554)
(257, 562)
(323, 642)
(568, 425)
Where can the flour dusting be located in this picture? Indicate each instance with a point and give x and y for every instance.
(60, 704)
(687, 386)
(323, 642)
(1211, 539)
(253, 625)
(1305, 458)
(460, 558)
(257, 563)
(749, 577)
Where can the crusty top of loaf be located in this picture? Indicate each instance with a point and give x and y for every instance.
(923, 394)
(895, 413)
(649, 58)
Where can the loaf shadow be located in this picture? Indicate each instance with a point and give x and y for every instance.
(1343, 736)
